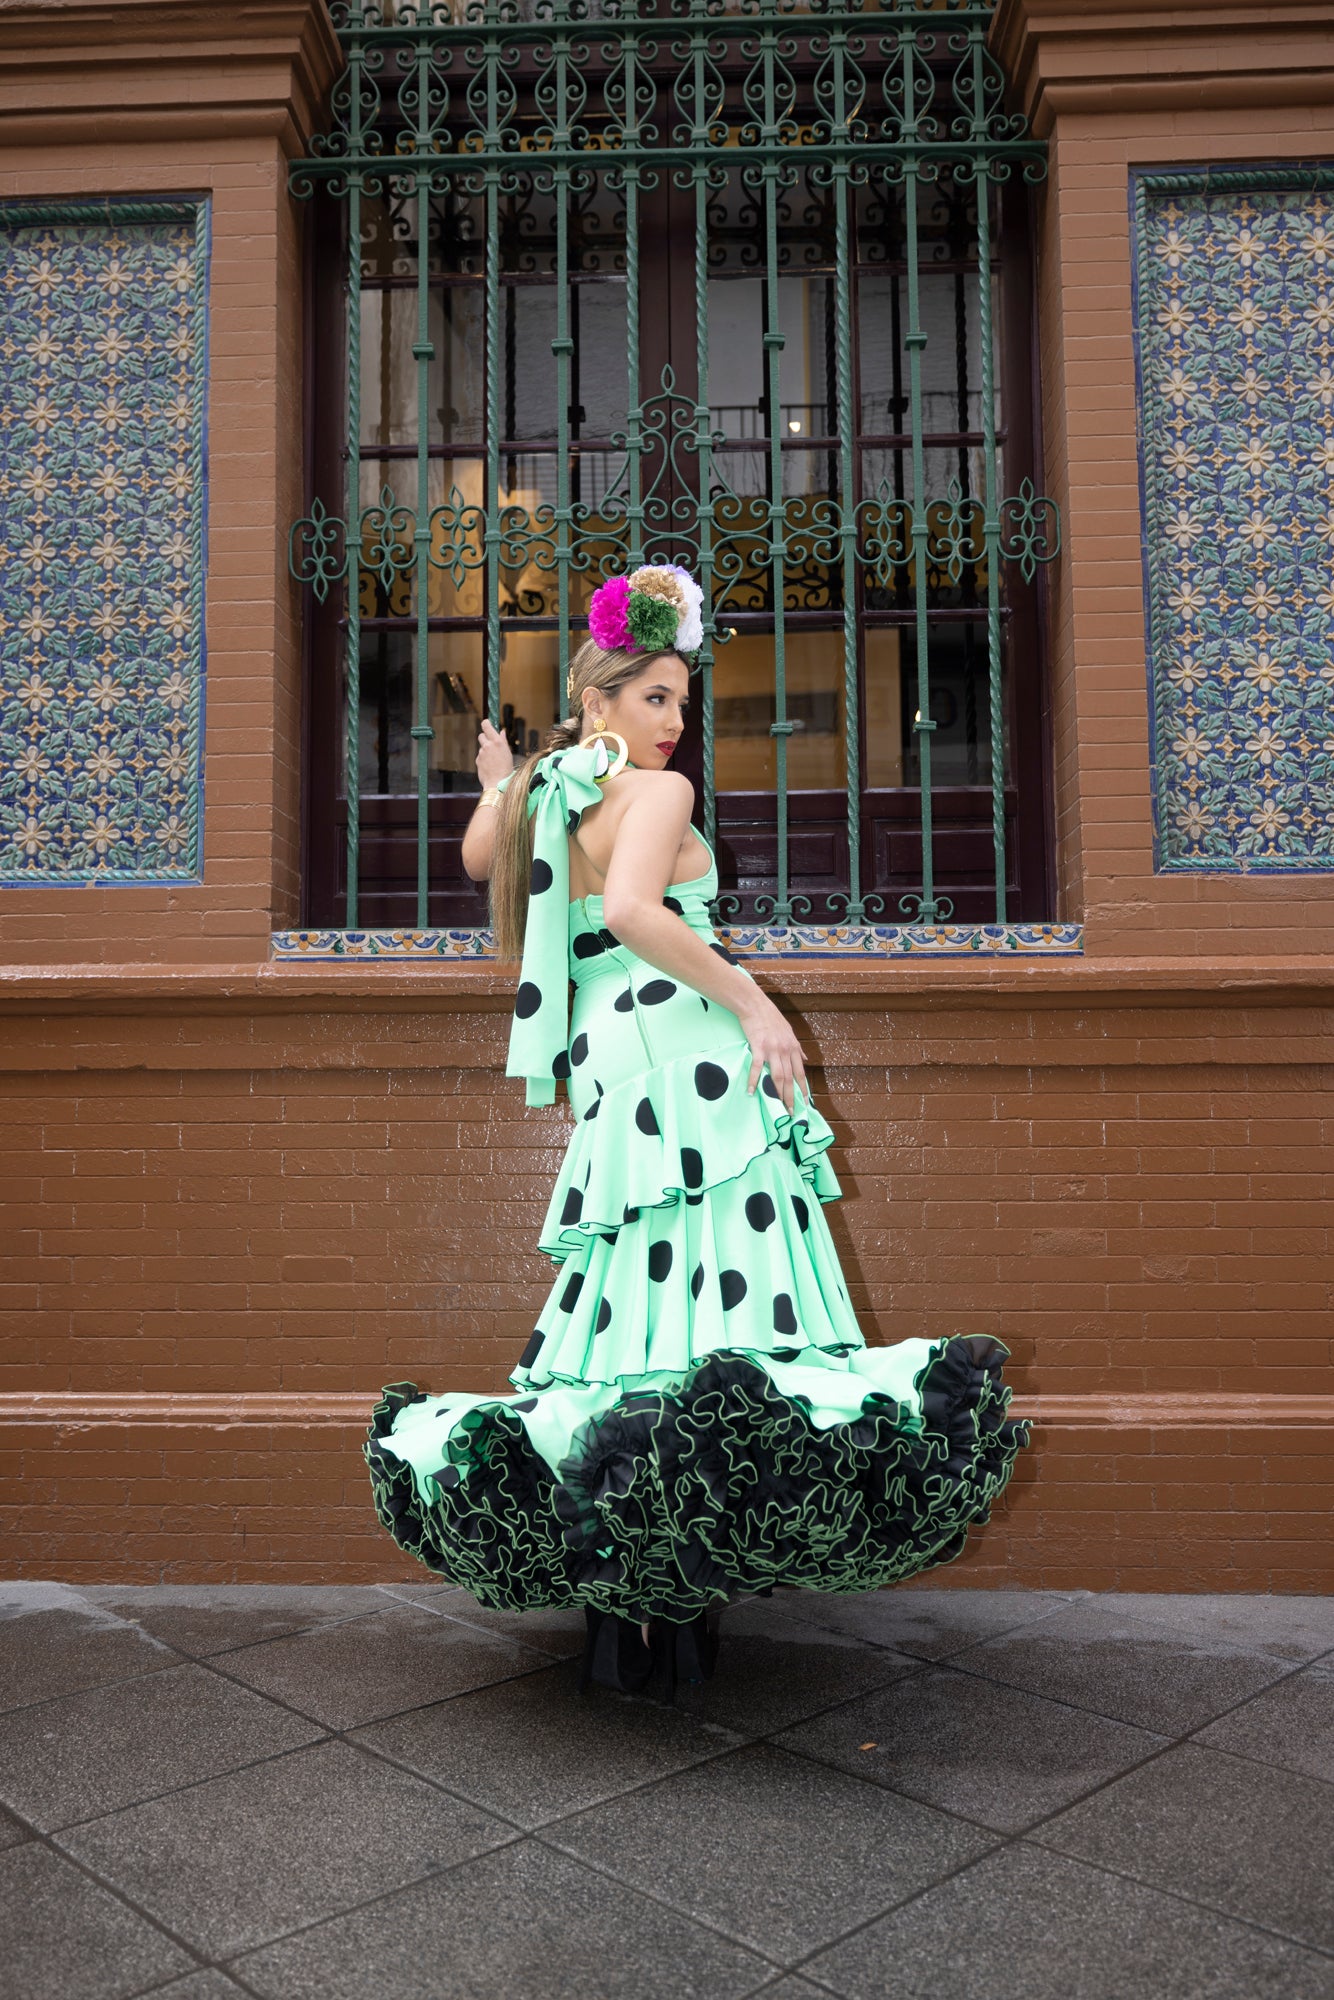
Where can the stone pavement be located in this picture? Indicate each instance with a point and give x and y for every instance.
(343, 1794)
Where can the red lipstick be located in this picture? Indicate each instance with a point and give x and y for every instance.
(666, 748)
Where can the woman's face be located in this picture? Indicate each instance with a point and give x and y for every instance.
(649, 711)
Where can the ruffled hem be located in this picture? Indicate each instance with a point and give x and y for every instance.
(681, 1129)
(680, 1491)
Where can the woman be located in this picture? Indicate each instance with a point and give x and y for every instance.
(697, 1414)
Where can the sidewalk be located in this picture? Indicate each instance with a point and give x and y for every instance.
(392, 1794)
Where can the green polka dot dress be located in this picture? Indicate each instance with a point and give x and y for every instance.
(696, 1412)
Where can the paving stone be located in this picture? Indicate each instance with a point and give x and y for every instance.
(232, 1863)
(1124, 1667)
(1022, 1925)
(210, 1985)
(773, 1670)
(992, 1753)
(791, 1987)
(203, 1618)
(778, 1852)
(396, 1659)
(929, 1624)
(1291, 1724)
(93, 1752)
(535, 1749)
(560, 1633)
(45, 1652)
(514, 1925)
(11, 1833)
(67, 1939)
(1224, 1831)
(1291, 1628)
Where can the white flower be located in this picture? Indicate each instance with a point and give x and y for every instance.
(690, 630)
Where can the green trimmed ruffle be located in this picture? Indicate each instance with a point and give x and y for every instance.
(681, 1491)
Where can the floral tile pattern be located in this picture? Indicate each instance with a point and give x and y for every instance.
(1234, 318)
(931, 941)
(103, 375)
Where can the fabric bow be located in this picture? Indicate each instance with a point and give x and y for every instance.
(563, 785)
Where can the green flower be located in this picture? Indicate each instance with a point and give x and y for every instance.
(652, 623)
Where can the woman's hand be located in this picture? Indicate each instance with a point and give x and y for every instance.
(772, 1041)
(495, 759)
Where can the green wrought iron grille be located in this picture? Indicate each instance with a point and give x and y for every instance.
(695, 282)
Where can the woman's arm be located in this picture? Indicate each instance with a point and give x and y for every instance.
(648, 838)
(495, 760)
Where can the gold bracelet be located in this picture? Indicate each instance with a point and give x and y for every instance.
(491, 796)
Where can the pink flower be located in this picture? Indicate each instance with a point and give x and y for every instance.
(607, 621)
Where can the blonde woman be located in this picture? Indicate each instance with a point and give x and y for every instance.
(696, 1414)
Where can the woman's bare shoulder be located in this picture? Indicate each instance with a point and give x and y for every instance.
(670, 787)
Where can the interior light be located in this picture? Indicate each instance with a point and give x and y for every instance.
(794, 423)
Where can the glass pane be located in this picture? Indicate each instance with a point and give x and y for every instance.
(951, 359)
(599, 375)
(960, 705)
(745, 755)
(737, 374)
(388, 753)
(457, 386)
(882, 708)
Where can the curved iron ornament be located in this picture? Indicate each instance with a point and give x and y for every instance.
(794, 114)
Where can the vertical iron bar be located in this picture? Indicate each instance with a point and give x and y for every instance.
(780, 728)
(634, 431)
(562, 346)
(915, 340)
(703, 425)
(491, 316)
(422, 353)
(352, 720)
(847, 509)
(991, 509)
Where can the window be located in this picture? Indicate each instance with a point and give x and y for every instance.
(749, 291)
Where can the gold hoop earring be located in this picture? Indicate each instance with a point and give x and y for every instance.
(603, 734)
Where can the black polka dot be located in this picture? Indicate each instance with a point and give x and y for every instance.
(703, 1003)
(670, 903)
(723, 952)
(569, 1298)
(609, 938)
(646, 1121)
(803, 1213)
(696, 1281)
(579, 1049)
(692, 1167)
(785, 1353)
(538, 779)
(527, 1000)
(593, 1109)
(768, 1086)
(785, 1318)
(694, 1200)
(588, 944)
(656, 991)
(604, 1317)
(659, 1261)
(574, 1203)
(572, 820)
(624, 1003)
(560, 1065)
(733, 1288)
(541, 877)
(629, 1215)
(534, 1347)
(607, 1235)
(710, 1080)
(760, 1211)
(528, 1403)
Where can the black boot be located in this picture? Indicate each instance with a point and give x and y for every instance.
(615, 1654)
(684, 1652)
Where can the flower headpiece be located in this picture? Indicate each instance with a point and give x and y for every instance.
(656, 609)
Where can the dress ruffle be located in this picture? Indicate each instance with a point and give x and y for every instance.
(682, 1490)
(676, 1133)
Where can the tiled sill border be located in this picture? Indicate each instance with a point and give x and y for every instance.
(804, 941)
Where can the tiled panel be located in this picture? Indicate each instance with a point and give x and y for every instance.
(931, 941)
(103, 379)
(1235, 330)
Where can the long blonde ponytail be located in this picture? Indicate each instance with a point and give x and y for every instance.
(512, 859)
